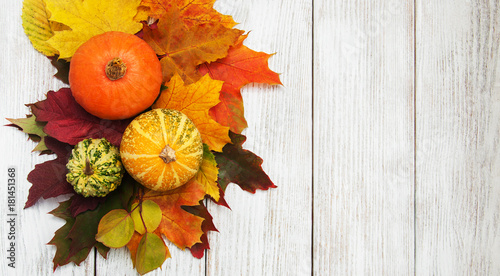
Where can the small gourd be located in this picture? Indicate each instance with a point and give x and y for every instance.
(95, 168)
(162, 149)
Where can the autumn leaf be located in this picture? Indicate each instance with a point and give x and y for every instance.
(198, 249)
(37, 26)
(62, 67)
(75, 239)
(49, 178)
(84, 230)
(241, 66)
(230, 111)
(183, 48)
(34, 129)
(68, 122)
(89, 18)
(146, 216)
(151, 253)
(241, 167)
(207, 175)
(192, 12)
(195, 100)
(80, 204)
(115, 229)
(180, 227)
(61, 241)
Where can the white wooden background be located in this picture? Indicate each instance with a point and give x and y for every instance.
(384, 142)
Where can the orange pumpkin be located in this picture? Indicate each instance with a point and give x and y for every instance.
(115, 75)
(161, 149)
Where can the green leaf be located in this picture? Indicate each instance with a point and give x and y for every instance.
(61, 240)
(151, 215)
(151, 253)
(115, 228)
(34, 129)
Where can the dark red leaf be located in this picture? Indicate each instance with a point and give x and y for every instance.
(68, 122)
(49, 179)
(62, 67)
(241, 167)
(80, 204)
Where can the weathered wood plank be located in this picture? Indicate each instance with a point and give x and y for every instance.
(458, 123)
(363, 137)
(269, 233)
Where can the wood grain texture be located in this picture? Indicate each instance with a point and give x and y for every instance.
(269, 233)
(363, 138)
(458, 124)
(378, 172)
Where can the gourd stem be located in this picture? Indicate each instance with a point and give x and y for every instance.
(167, 154)
(88, 169)
(115, 69)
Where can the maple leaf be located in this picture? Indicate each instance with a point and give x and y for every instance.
(89, 18)
(195, 100)
(198, 249)
(241, 167)
(192, 12)
(61, 241)
(177, 225)
(241, 66)
(49, 179)
(183, 48)
(68, 122)
(230, 111)
(34, 129)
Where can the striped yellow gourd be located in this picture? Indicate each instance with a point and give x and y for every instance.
(161, 149)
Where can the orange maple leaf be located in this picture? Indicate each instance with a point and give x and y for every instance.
(241, 66)
(184, 48)
(177, 225)
(195, 100)
(192, 12)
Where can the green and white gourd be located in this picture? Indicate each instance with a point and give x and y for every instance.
(95, 168)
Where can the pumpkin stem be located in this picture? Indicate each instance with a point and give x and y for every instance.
(116, 69)
(88, 169)
(167, 154)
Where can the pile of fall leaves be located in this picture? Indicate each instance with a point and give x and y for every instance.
(204, 66)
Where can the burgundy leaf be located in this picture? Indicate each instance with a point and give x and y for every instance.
(49, 178)
(68, 122)
(241, 167)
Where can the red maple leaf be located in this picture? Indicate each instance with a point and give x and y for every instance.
(241, 66)
(49, 178)
(241, 167)
(68, 122)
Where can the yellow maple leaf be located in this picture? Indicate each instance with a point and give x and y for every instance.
(207, 175)
(195, 100)
(89, 18)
